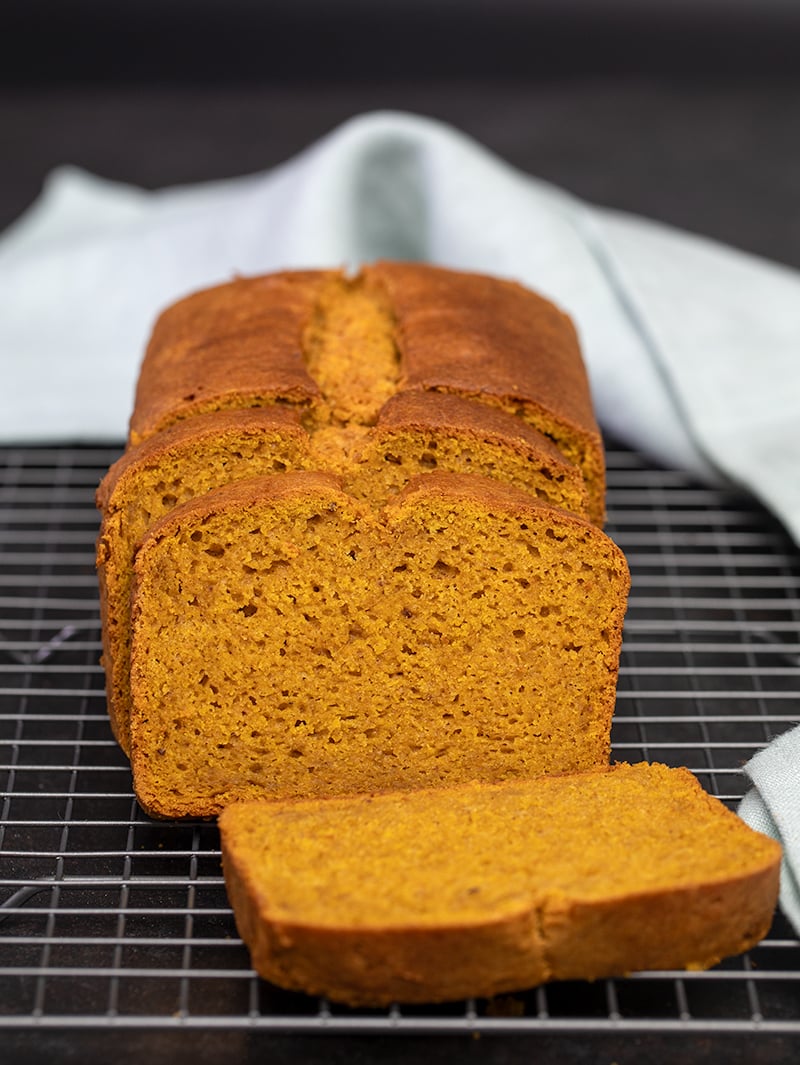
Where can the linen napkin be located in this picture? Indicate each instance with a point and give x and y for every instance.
(693, 348)
(772, 806)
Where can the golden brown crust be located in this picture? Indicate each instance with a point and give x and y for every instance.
(566, 925)
(485, 337)
(235, 345)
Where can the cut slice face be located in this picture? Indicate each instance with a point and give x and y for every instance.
(416, 433)
(290, 641)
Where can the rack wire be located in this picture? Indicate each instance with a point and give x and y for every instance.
(109, 920)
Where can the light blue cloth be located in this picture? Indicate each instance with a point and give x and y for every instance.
(772, 806)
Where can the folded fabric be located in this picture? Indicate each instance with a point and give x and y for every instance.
(692, 347)
(772, 806)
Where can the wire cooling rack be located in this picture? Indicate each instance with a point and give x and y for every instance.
(110, 921)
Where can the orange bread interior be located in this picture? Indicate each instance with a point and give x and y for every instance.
(168, 469)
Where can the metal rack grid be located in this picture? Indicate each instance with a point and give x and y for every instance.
(109, 920)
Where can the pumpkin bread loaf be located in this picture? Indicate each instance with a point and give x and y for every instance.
(354, 546)
(289, 640)
(480, 889)
(338, 348)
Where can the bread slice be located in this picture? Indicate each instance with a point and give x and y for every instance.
(496, 342)
(290, 641)
(417, 432)
(479, 889)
